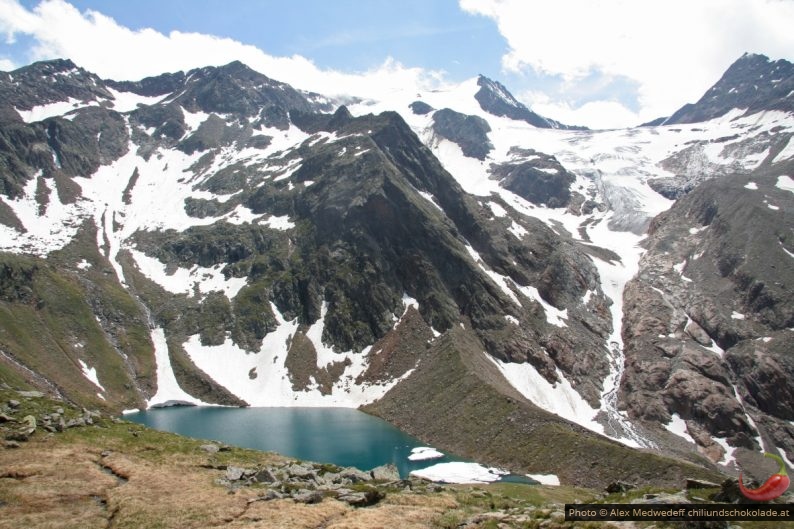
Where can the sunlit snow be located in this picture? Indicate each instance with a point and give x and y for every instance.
(546, 479)
(729, 456)
(422, 453)
(127, 101)
(677, 425)
(188, 280)
(786, 183)
(459, 472)
(59, 108)
(558, 398)
(90, 374)
(786, 153)
(169, 392)
(262, 379)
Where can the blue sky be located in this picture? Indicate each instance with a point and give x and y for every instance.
(341, 34)
(338, 34)
(599, 63)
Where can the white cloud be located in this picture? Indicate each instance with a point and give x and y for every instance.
(101, 45)
(6, 65)
(674, 49)
(596, 114)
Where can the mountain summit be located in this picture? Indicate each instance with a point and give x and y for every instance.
(495, 99)
(752, 83)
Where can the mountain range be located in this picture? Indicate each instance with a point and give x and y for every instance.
(530, 294)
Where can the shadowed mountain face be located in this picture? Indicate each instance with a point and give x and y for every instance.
(217, 236)
(753, 83)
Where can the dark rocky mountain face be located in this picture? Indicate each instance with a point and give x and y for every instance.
(469, 132)
(495, 99)
(537, 177)
(217, 236)
(753, 82)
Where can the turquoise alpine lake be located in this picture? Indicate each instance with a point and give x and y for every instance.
(342, 436)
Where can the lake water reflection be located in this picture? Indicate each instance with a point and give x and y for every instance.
(343, 436)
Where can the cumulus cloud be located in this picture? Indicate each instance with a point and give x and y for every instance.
(99, 44)
(597, 114)
(674, 49)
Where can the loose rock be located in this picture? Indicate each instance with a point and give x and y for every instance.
(355, 475)
(307, 496)
(361, 499)
(700, 484)
(265, 476)
(30, 394)
(234, 473)
(387, 472)
(619, 486)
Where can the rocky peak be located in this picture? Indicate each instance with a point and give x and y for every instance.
(753, 82)
(238, 90)
(48, 82)
(495, 99)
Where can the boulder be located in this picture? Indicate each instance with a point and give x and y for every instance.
(619, 486)
(360, 499)
(265, 476)
(307, 496)
(29, 424)
(301, 471)
(692, 483)
(75, 423)
(729, 492)
(355, 475)
(210, 448)
(18, 436)
(386, 472)
(268, 496)
(234, 473)
(365, 496)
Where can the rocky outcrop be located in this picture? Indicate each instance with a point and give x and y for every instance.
(420, 108)
(536, 177)
(470, 133)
